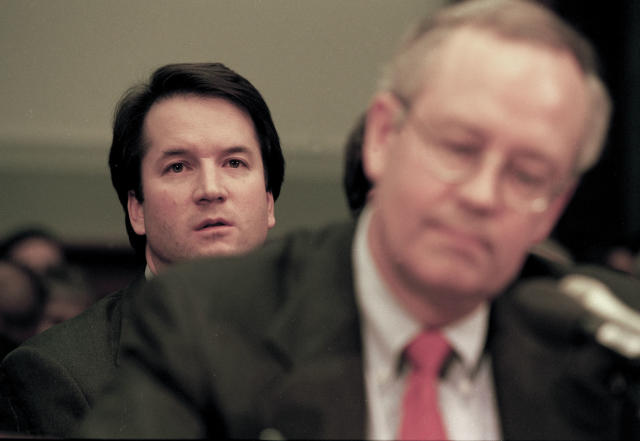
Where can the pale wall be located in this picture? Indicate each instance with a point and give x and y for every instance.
(65, 63)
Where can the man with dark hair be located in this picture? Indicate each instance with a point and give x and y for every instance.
(197, 166)
(171, 90)
(421, 322)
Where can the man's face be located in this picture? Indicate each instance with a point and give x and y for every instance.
(203, 182)
(521, 108)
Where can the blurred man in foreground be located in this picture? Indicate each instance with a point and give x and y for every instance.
(406, 327)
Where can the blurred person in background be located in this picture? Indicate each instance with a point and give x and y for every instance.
(23, 296)
(35, 248)
(197, 166)
(69, 292)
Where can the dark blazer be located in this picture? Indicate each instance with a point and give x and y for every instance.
(52, 379)
(269, 345)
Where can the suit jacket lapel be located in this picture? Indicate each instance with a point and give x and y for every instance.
(321, 394)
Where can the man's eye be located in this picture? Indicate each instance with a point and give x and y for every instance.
(528, 180)
(176, 167)
(462, 149)
(235, 163)
(456, 155)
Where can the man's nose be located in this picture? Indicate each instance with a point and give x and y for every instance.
(481, 190)
(210, 185)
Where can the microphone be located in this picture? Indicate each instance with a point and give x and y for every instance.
(619, 327)
(581, 305)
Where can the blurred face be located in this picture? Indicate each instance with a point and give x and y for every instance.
(18, 304)
(203, 182)
(517, 112)
(38, 253)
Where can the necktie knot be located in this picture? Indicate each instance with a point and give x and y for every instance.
(428, 351)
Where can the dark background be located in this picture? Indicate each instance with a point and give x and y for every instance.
(606, 209)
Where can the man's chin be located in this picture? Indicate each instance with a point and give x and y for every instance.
(219, 249)
(461, 280)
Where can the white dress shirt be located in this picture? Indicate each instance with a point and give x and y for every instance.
(466, 391)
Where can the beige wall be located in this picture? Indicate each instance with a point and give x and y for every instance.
(64, 64)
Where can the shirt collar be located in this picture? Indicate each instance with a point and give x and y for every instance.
(148, 274)
(388, 327)
(468, 337)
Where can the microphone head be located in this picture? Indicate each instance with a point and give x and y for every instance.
(625, 287)
(587, 304)
(620, 328)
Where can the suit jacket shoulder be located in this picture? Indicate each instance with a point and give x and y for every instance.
(53, 378)
(227, 347)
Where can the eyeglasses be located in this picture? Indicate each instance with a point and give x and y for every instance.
(527, 184)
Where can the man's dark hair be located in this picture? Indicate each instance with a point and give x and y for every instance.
(200, 79)
(355, 182)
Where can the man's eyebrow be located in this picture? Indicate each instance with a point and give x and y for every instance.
(236, 149)
(173, 152)
(452, 125)
(530, 155)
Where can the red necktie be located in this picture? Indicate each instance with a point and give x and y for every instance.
(420, 413)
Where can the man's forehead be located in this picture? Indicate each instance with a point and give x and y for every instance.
(480, 41)
(145, 138)
(472, 56)
(482, 77)
(187, 96)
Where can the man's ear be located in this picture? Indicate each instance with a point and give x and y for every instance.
(380, 128)
(271, 216)
(550, 216)
(136, 213)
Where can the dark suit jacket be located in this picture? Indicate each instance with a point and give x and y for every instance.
(269, 344)
(52, 379)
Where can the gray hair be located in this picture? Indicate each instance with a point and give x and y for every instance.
(520, 20)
